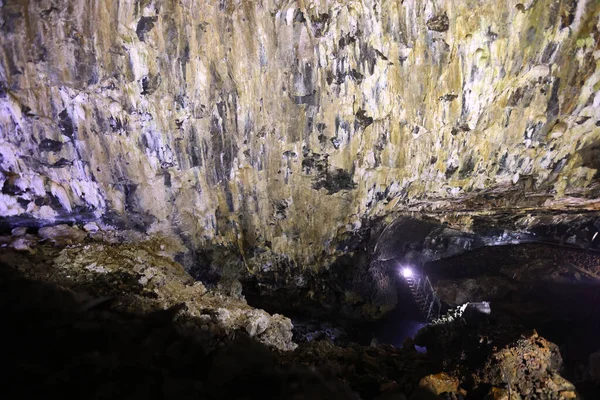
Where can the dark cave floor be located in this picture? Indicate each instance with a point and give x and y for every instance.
(550, 288)
(56, 347)
(547, 287)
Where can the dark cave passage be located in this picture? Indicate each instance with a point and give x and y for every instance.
(402, 322)
(547, 287)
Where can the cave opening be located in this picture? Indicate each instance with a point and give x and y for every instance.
(530, 281)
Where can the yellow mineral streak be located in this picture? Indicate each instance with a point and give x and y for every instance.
(203, 115)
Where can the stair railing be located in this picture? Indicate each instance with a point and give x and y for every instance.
(424, 295)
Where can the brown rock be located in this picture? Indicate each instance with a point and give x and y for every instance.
(62, 235)
(439, 383)
(530, 366)
(568, 394)
(497, 393)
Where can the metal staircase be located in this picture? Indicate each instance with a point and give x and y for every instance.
(422, 291)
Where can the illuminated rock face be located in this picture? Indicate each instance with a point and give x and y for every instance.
(286, 125)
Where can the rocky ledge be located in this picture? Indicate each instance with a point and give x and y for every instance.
(141, 278)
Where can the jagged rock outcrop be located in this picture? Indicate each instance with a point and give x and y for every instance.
(137, 276)
(284, 126)
(491, 360)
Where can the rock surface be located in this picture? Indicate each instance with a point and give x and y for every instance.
(529, 367)
(62, 235)
(142, 278)
(525, 364)
(103, 318)
(439, 383)
(282, 126)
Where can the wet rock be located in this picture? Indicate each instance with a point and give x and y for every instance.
(362, 121)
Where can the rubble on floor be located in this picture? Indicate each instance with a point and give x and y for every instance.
(114, 313)
(529, 368)
(440, 383)
(549, 288)
(141, 277)
(491, 359)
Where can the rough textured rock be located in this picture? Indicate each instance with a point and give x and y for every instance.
(270, 143)
(63, 348)
(439, 383)
(374, 372)
(62, 234)
(497, 393)
(124, 317)
(142, 278)
(530, 368)
(281, 126)
(525, 364)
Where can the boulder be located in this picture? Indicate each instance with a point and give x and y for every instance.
(62, 235)
(20, 231)
(91, 227)
(497, 393)
(439, 383)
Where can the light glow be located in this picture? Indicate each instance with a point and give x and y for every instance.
(407, 272)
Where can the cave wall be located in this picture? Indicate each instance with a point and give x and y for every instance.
(283, 125)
